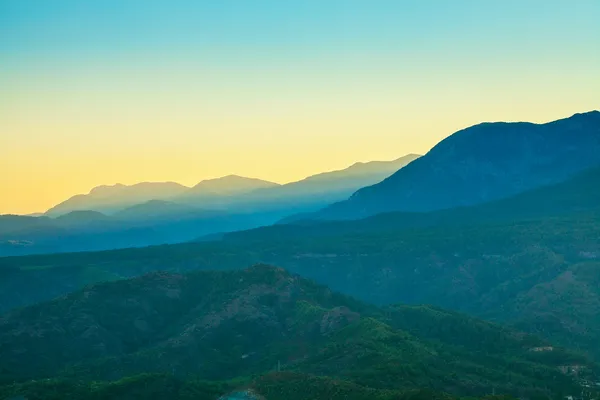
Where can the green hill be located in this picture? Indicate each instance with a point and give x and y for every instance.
(223, 326)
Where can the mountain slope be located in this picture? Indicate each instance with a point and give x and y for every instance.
(579, 194)
(222, 325)
(357, 175)
(482, 163)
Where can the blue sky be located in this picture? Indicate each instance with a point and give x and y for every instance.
(276, 30)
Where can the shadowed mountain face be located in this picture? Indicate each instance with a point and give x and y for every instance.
(579, 194)
(223, 325)
(482, 163)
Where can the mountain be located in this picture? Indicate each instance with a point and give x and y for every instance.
(223, 325)
(82, 217)
(482, 163)
(116, 197)
(227, 186)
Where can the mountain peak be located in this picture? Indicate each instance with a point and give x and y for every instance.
(228, 185)
(595, 113)
(589, 115)
(232, 178)
(104, 188)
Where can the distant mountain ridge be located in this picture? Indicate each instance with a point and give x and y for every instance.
(111, 199)
(481, 163)
(234, 191)
(216, 205)
(321, 189)
(228, 185)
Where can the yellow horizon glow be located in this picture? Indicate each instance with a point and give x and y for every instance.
(67, 132)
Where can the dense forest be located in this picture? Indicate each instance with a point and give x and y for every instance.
(210, 332)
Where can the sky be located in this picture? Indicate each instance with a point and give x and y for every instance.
(123, 91)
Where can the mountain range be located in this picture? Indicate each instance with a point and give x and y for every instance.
(112, 198)
(321, 189)
(126, 216)
(229, 191)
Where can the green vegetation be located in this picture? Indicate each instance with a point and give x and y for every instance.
(235, 326)
(274, 386)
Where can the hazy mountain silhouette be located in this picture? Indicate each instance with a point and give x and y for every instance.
(237, 193)
(311, 193)
(81, 217)
(227, 186)
(161, 209)
(334, 183)
(116, 197)
(152, 223)
(111, 199)
(156, 213)
(482, 163)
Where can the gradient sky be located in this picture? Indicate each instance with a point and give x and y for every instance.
(106, 91)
